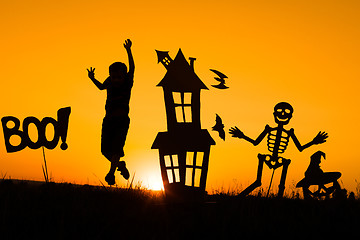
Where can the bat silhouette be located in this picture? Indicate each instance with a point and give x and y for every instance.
(219, 127)
(221, 78)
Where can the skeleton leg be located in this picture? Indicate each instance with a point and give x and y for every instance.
(257, 182)
(286, 163)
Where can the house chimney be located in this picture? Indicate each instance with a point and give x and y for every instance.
(192, 60)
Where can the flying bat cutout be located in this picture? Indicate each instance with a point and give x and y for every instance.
(221, 78)
(219, 127)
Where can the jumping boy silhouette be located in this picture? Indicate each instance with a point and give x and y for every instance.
(116, 121)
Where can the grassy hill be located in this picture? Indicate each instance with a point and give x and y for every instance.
(66, 211)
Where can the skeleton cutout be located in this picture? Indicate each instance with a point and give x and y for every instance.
(277, 142)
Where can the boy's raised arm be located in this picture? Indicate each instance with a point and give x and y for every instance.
(91, 75)
(127, 46)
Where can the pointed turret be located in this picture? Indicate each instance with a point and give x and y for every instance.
(181, 76)
(164, 58)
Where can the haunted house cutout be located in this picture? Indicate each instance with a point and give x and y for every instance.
(184, 149)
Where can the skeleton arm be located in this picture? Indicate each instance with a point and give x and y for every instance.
(235, 132)
(320, 138)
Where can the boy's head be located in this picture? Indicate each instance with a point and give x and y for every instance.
(117, 70)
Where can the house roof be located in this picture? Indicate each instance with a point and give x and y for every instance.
(181, 76)
(183, 140)
(162, 54)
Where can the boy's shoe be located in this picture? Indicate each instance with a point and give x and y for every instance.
(123, 170)
(110, 179)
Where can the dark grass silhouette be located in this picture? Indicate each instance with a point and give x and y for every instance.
(67, 211)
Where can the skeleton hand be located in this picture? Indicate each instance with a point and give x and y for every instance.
(235, 132)
(320, 138)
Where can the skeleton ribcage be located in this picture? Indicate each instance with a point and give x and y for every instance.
(279, 144)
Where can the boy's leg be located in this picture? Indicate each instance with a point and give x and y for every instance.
(123, 170)
(113, 138)
(120, 165)
(123, 127)
(114, 162)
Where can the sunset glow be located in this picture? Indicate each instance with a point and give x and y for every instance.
(155, 184)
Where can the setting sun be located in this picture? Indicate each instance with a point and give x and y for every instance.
(155, 184)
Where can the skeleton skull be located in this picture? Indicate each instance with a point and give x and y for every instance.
(283, 113)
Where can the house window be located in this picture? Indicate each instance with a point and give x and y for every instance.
(194, 161)
(166, 61)
(172, 168)
(182, 103)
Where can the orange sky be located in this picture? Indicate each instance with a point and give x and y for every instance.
(303, 52)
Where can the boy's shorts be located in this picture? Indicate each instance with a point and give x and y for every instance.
(113, 135)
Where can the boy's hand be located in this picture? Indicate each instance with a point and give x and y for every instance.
(127, 44)
(91, 73)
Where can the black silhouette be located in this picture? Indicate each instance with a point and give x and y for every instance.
(220, 79)
(116, 121)
(184, 149)
(31, 209)
(277, 142)
(60, 131)
(219, 127)
(315, 176)
(164, 58)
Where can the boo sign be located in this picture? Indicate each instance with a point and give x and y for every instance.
(60, 131)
